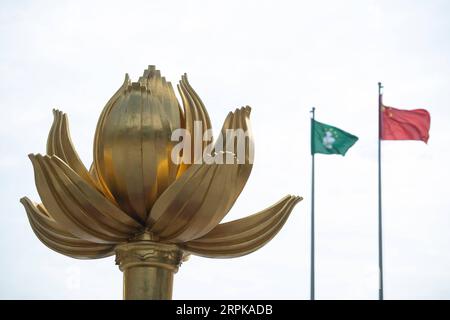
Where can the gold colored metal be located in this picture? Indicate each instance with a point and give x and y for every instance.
(148, 268)
(135, 201)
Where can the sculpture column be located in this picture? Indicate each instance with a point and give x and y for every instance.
(148, 268)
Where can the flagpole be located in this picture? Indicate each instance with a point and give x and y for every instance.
(312, 294)
(380, 219)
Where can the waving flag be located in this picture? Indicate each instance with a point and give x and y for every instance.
(399, 124)
(327, 139)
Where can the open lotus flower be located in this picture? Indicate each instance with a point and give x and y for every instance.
(133, 190)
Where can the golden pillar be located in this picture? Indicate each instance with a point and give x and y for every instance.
(148, 268)
(144, 199)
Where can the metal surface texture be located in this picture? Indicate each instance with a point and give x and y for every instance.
(135, 198)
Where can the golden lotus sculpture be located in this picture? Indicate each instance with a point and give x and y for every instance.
(135, 201)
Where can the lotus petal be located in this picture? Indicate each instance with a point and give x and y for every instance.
(193, 111)
(243, 236)
(76, 206)
(56, 238)
(60, 144)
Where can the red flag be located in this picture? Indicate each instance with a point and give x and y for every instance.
(399, 124)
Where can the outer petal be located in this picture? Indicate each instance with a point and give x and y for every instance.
(77, 207)
(59, 240)
(239, 120)
(243, 236)
(60, 144)
(194, 111)
(202, 196)
(133, 143)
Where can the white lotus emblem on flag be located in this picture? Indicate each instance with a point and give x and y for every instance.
(328, 140)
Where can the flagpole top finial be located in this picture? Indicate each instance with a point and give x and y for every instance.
(313, 112)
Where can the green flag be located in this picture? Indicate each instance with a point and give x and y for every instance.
(330, 140)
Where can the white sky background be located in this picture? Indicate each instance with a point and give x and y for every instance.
(281, 58)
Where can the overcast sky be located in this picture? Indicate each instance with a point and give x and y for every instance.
(281, 58)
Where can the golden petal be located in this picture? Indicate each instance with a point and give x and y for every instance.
(76, 206)
(111, 214)
(202, 196)
(243, 236)
(240, 120)
(60, 144)
(192, 202)
(59, 240)
(99, 156)
(194, 97)
(193, 110)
